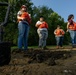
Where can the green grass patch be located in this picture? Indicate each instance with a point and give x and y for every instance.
(51, 47)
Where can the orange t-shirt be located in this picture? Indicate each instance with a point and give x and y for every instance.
(59, 32)
(43, 25)
(75, 26)
(26, 16)
(72, 25)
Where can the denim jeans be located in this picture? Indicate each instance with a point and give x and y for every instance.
(43, 34)
(23, 35)
(59, 40)
(73, 36)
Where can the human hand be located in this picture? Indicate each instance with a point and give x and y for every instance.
(67, 30)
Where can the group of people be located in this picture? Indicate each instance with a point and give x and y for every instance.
(24, 20)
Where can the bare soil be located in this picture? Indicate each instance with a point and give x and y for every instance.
(41, 62)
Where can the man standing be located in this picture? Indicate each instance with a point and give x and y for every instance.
(23, 26)
(42, 32)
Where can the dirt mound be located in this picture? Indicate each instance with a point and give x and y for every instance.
(42, 56)
(40, 62)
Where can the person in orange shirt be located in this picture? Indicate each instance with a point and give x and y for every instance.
(23, 26)
(59, 35)
(42, 32)
(71, 28)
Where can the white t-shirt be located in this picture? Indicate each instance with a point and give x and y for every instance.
(19, 13)
(38, 22)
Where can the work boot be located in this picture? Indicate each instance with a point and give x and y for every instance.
(57, 47)
(74, 46)
(45, 48)
(39, 47)
(18, 50)
(61, 47)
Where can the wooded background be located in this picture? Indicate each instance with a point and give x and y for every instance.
(52, 18)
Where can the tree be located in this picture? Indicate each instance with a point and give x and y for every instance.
(11, 30)
(37, 12)
(51, 17)
(53, 21)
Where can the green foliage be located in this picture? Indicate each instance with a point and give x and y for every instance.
(51, 17)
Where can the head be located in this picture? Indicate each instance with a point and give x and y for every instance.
(70, 17)
(58, 27)
(24, 8)
(41, 18)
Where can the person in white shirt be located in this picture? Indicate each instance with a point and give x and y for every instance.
(42, 32)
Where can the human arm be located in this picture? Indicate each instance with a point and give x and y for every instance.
(27, 17)
(68, 26)
(55, 32)
(19, 15)
(38, 24)
(63, 32)
(47, 25)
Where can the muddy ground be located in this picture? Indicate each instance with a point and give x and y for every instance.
(41, 62)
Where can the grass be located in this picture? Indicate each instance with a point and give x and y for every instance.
(51, 47)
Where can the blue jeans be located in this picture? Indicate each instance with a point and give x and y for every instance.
(43, 34)
(73, 36)
(23, 35)
(59, 40)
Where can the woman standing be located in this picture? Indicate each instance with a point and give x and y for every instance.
(59, 35)
(23, 26)
(71, 28)
(42, 32)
